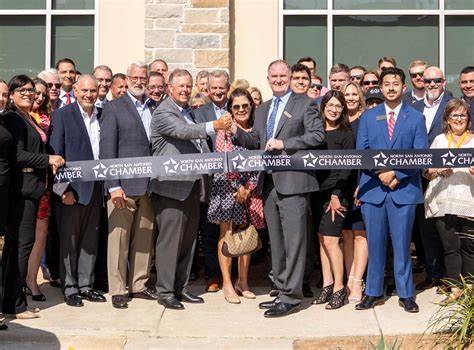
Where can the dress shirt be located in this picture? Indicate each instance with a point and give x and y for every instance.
(396, 111)
(219, 111)
(62, 97)
(281, 107)
(101, 103)
(143, 111)
(430, 111)
(93, 129)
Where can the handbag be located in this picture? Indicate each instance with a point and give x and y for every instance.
(241, 239)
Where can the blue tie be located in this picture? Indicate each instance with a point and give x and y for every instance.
(186, 112)
(271, 120)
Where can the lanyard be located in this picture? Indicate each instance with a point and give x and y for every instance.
(460, 141)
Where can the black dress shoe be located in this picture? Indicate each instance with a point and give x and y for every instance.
(55, 283)
(189, 298)
(408, 304)
(73, 300)
(38, 297)
(269, 304)
(418, 267)
(3, 326)
(171, 303)
(119, 301)
(370, 302)
(391, 290)
(274, 291)
(92, 295)
(307, 292)
(281, 309)
(428, 284)
(147, 294)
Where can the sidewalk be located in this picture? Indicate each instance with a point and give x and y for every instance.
(213, 325)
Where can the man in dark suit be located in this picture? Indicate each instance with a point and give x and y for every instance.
(125, 132)
(75, 134)
(466, 85)
(389, 197)
(287, 122)
(218, 85)
(432, 107)
(176, 199)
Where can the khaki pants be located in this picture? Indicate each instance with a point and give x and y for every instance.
(130, 245)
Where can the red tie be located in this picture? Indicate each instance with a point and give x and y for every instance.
(391, 124)
(68, 99)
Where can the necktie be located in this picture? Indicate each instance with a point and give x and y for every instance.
(271, 120)
(68, 99)
(391, 124)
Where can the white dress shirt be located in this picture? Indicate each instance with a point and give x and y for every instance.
(62, 97)
(93, 129)
(396, 110)
(430, 111)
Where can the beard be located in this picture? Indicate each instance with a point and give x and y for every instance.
(137, 91)
(433, 94)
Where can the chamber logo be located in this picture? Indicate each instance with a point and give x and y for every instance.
(380, 160)
(449, 158)
(309, 160)
(171, 166)
(239, 162)
(100, 171)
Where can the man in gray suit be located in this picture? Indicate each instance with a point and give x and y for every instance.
(287, 122)
(176, 199)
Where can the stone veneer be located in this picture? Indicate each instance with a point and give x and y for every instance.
(190, 34)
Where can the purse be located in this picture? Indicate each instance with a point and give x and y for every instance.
(241, 240)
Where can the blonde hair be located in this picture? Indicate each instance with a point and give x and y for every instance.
(238, 83)
(359, 93)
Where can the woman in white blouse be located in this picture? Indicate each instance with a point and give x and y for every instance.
(450, 197)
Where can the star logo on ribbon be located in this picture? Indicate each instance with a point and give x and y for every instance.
(449, 158)
(100, 171)
(380, 160)
(309, 160)
(239, 162)
(171, 166)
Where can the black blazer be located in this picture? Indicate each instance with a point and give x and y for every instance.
(29, 158)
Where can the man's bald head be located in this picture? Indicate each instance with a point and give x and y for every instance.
(434, 82)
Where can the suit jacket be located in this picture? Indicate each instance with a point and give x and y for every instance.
(70, 140)
(206, 114)
(171, 135)
(300, 127)
(408, 99)
(409, 133)
(437, 124)
(29, 158)
(122, 135)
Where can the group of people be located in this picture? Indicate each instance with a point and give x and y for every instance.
(104, 235)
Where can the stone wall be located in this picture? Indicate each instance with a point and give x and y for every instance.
(191, 34)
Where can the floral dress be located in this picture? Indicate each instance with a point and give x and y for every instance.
(222, 205)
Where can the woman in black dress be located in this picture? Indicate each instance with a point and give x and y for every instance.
(27, 185)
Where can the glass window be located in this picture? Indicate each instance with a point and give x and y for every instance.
(23, 45)
(73, 4)
(73, 37)
(385, 5)
(306, 36)
(459, 4)
(362, 40)
(22, 4)
(459, 48)
(304, 4)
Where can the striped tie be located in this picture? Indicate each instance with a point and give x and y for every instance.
(68, 99)
(391, 124)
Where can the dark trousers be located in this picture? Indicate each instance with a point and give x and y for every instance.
(458, 247)
(101, 261)
(432, 246)
(52, 244)
(210, 236)
(287, 220)
(178, 224)
(19, 240)
(79, 233)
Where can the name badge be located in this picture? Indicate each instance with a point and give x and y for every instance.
(287, 114)
(381, 117)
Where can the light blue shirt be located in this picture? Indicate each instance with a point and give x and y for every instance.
(143, 112)
(219, 111)
(281, 107)
(209, 126)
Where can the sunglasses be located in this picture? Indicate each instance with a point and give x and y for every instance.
(370, 82)
(416, 74)
(237, 108)
(356, 77)
(434, 80)
(316, 86)
(56, 85)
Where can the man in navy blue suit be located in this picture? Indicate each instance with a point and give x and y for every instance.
(75, 135)
(390, 196)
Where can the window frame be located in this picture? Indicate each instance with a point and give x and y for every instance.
(49, 12)
(330, 13)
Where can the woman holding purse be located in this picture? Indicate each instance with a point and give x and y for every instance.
(232, 199)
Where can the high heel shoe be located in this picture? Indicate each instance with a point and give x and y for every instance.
(325, 295)
(352, 299)
(34, 297)
(231, 299)
(337, 299)
(245, 293)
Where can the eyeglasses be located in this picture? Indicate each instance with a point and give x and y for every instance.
(458, 116)
(416, 74)
(356, 77)
(237, 108)
(331, 106)
(135, 79)
(370, 82)
(434, 80)
(155, 87)
(316, 86)
(24, 92)
(56, 85)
